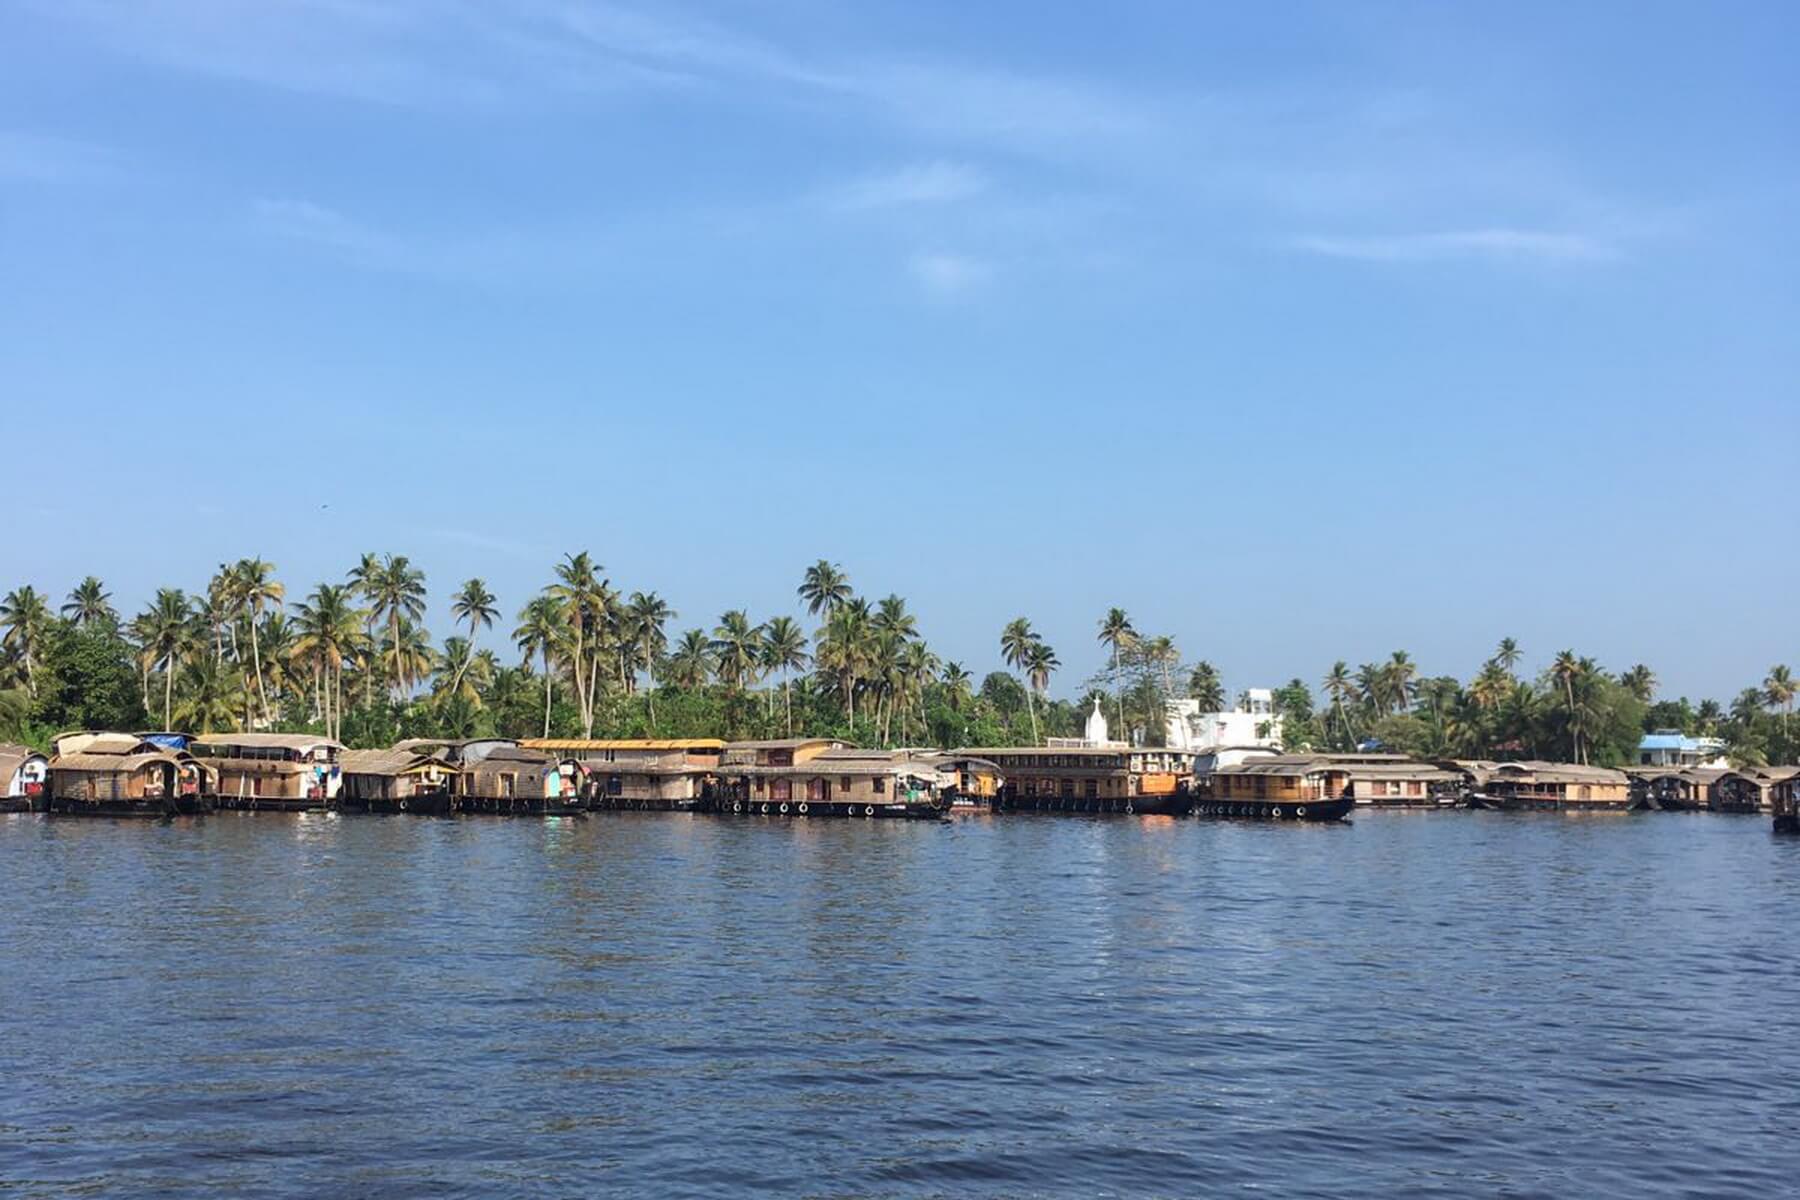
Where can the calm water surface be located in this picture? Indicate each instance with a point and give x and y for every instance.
(1452, 1004)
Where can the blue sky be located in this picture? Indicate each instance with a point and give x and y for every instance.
(1302, 332)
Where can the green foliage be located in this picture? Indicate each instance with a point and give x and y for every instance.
(86, 679)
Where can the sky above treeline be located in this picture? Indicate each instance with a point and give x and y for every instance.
(1301, 332)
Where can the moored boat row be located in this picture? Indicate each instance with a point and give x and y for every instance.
(170, 774)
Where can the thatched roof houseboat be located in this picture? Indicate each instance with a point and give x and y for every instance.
(1283, 787)
(1785, 802)
(395, 781)
(285, 771)
(510, 780)
(1673, 789)
(120, 775)
(1748, 789)
(1548, 785)
(23, 772)
(623, 773)
(1113, 778)
(809, 777)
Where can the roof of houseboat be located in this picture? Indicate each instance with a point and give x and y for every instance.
(271, 741)
(1552, 772)
(509, 755)
(793, 743)
(13, 756)
(387, 762)
(996, 753)
(94, 741)
(564, 744)
(114, 762)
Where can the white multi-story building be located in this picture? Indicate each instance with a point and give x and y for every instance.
(1254, 723)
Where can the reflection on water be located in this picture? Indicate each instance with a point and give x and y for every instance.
(1458, 1003)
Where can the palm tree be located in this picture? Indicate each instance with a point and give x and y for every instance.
(170, 626)
(1640, 681)
(206, 696)
(540, 629)
(396, 594)
(1040, 661)
(1507, 655)
(917, 666)
(737, 650)
(461, 671)
(646, 613)
(329, 629)
(255, 586)
(784, 650)
(892, 620)
(825, 588)
(1205, 687)
(1016, 643)
(89, 604)
(409, 649)
(473, 605)
(690, 664)
(843, 649)
(1371, 685)
(1161, 653)
(586, 603)
(26, 617)
(1399, 673)
(1117, 635)
(1566, 669)
(1780, 688)
(955, 682)
(1340, 687)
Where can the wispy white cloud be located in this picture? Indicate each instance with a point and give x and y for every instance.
(946, 274)
(1498, 244)
(920, 183)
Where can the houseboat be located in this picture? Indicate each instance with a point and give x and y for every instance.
(1749, 789)
(283, 772)
(1785, 804)
(1534, 785)
(120, 775)
(975, 781)
(1280, 787)
(22, 775)
(1083, 778)
(1396, 781)
(510, 780)
(656, 775)
(825, 777)
(1672, 789)
(395, 781)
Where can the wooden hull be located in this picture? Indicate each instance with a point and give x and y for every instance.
(173, 806)
(518, 806)
(436, 804)
(1266, 810)
(266, 804)
(1178, 804)
(640, 804)
(1537, 804)
(915, 810)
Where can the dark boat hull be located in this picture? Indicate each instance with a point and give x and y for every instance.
(1177, 805)
(1534, 804)
(517, 806)
(265, 804)
(1787, 823)
(641, 804)
(1266, 810)
(174, 806)
(903, 810)
(22, 804)
(431, 805)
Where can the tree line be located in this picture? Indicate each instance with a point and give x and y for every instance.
(352, 659)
